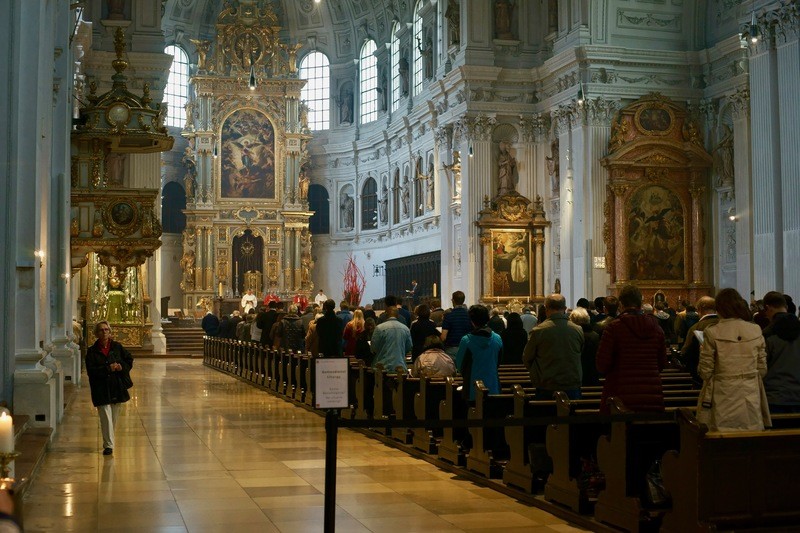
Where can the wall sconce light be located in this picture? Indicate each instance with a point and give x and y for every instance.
(471, 151)
(215, 151)
(580, 98)
(378, 270)
(732, 214)
(317, 1)
(252, 82)
(66, 276)
(754, 30)
(40, 254)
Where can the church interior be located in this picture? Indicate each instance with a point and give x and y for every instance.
(163, 158)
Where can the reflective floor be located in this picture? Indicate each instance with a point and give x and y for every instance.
(199, 451)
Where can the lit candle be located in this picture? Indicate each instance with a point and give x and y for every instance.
(434, 290)
(220, 289)
(6, 433)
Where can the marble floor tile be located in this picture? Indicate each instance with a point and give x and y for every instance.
(201, 452)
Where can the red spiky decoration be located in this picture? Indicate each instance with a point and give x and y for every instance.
(354, 282)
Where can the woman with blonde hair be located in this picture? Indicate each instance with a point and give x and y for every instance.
(108, 365)
(733, 361)
(351, 332)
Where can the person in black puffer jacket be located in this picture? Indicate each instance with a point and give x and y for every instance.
(782, 382)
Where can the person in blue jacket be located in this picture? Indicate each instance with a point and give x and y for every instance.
(479, 353)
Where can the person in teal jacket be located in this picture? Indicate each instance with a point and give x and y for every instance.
(480, 353)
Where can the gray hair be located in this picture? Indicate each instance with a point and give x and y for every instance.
(97, 327)
(579, 316)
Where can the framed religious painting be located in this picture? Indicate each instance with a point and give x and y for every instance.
(656, 235)
(247, 166)
(510, 265)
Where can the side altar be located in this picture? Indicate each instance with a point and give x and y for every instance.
(247, 211)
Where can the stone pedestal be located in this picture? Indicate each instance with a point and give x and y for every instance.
(35, 390)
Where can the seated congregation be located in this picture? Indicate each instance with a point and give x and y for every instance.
(699, 399)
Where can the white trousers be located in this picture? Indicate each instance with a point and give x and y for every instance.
(108, 420)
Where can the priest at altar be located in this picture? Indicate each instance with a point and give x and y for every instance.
(249, 301)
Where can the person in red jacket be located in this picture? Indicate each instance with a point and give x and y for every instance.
(631, 355)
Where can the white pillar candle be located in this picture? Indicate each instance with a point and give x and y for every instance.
(6, 433)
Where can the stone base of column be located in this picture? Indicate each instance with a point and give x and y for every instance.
(35, 396)
(159, 342)
(68, 354)
(58, 375)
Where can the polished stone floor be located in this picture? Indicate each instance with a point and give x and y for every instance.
(199, 451)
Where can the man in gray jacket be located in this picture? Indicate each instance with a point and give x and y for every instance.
(553, 352)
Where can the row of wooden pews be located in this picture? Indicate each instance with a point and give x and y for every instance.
(715, 480)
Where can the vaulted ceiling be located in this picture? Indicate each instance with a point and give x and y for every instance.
(336, 27)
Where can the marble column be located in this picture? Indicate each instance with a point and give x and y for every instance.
(200, 258)
(697, 192)
(444, 191)
(788, 81)
(742, 184)
(539, 258)
(620, 234)
(766, 171)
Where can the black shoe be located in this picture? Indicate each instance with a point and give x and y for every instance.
(108, 451)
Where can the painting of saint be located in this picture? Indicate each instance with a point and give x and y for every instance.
(655, 119)
(248, 156)
(656, 235)
(510, 263)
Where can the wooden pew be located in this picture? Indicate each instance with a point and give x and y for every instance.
(352, 380)
(455, 442)
(520, 439)
(426, 407)
(489, 450)
(732, 480)
(383, 384)
(624, 457)
(403, 393)
(364, 393)
(299, 372)
(566, 444)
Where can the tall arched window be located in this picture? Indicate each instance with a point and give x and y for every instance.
(369, 82)
(369, 204)
(315, 69)
(396, 197)
(419, 190)
(415, 40)
(176, 93)
(395, 49)
(318, 201)
(173, 202)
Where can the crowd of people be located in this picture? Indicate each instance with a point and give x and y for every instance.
(747, 358)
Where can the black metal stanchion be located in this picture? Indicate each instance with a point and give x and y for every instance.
(331, 431)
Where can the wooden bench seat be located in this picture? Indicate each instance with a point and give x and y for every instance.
(426, 407)
(489, 450)
(732, 480)
(454, 442)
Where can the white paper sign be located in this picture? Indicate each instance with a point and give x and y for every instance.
(331, 383)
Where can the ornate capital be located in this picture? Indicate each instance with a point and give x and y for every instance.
(786, 22)
(619, 189)
(534, 128)
(697, 191)
(564, 117)
(600, 111)
(478, 128)
(740, 101)
(443, 135)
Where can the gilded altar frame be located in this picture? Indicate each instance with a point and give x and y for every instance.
(658, 178)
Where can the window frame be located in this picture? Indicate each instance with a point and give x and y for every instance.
(417, 66)
(176, 91)
(395, 66)
(369, 205)
(368, 83)
(317, 89)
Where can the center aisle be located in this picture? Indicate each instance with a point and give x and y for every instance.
(200, 451)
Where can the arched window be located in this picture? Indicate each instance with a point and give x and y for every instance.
(176, 93)
(395, 58)
(369, 82)
(415, 40)
(315, 69)
(369, 204)
(319, 223)
(173, 202)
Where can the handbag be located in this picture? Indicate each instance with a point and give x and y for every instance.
(125, 379)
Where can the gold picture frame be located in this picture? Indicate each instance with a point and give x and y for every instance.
(510, 267)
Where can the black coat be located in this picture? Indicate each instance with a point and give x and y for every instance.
(106, 386)
(329, 333)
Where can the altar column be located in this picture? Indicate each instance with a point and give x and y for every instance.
(538, 242)
(200, 258)
(621, 242)
(697, 191)
(209, 270)
(297, 265)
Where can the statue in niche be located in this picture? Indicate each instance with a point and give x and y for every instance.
(247, 49)
(115, 169)
(402, 69)
(187, 265)
(383, 205)
(506, 166)
(347, 208)
(454, 170)
(405, 197)
(453, 16)
(723, 158)
(203, 47)
(190, 184)
(502, 19)
(383, 92)
(691, 132)
(115, 298)
(553, 167)
(552, 16)
(303, 183)
(428, 185)
(189, 109)
(345, 104)
(426, 53)
(303, 117)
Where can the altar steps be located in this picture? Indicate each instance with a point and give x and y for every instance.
(184, 341)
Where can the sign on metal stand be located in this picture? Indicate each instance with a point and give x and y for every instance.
(330, 393)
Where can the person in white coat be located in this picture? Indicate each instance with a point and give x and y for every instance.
(733, 361)
(249, 301)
